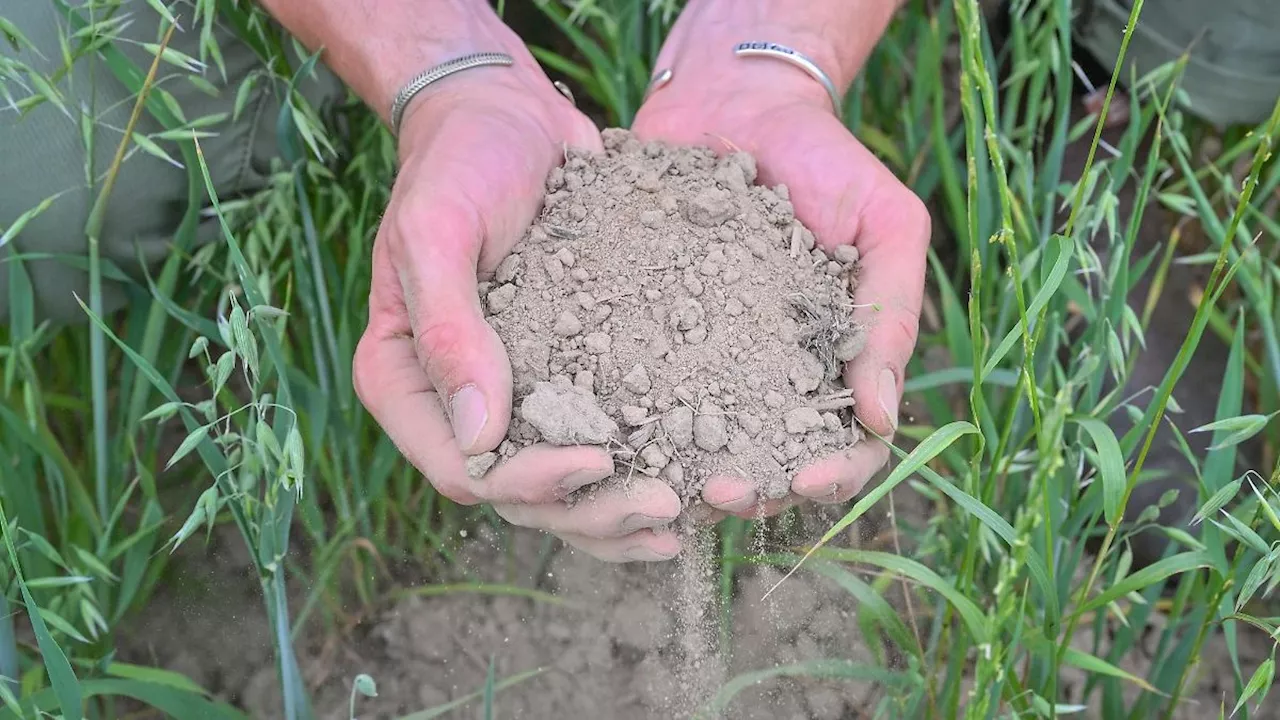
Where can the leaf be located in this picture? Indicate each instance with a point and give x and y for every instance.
(1243, 533)
(1258, 575)
(1110, 467)
(154, 676)
(59, 581)
(1147, 576)
(222, 370)
(1052, 281)
(66, 687)
(193, 439)
(198, 347)
(1089, 663)
(1239, 429)
(163, 412)
(151, 148)
(1261, 680)
(974, 618)
(12, 231)
(1217, 501)
(171, 701)
(164, 11)
(62, 625)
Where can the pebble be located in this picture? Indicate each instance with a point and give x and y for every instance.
(554, 268)
(567, 325)
(508, 268)
(831, 421)
(637, 380)
(501, 298)
(653, 457)
(598, 343)
(846, 254)
(774, 400)
(803, 420)
(711, 431)
(565, 257)
(678, 424)
(652, 218)
(750, 424)
(585, 301)
(634, 415)
(478, 465)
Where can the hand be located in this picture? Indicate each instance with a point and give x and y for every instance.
(475, 152)
(845, 196)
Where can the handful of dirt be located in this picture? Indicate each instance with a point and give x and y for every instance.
(666, 307)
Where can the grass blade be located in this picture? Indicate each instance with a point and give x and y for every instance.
(66, 687)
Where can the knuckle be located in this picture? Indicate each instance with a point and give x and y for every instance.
(436, 228)
(363, 371)
(441, 342)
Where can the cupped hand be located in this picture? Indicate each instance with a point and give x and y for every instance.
(474, 157)
(846, 197)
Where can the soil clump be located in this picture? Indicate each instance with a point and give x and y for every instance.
(667, 307)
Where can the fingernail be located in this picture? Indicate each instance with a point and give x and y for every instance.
(577, 481)
(748, 499)
(640, 521)
(643, 554)
(889, 396)
(468, 412)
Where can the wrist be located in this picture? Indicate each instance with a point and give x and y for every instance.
(836, 36)
(378, 51)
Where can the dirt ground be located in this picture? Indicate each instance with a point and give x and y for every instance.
(616, 644)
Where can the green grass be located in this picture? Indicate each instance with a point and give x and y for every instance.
(1013, 445)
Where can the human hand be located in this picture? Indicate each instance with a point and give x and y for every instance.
(842, 193)
(475, 151)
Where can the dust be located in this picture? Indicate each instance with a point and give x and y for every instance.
(667, 307)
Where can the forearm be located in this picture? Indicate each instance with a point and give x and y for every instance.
(376, 46)
(837, 34)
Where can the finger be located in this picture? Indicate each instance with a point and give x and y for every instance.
(839, 477)
(609, 512)
(460, 353)
(730, 494)
(893, 243)
(641, 546)
(410, 412)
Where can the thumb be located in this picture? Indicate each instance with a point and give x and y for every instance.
(461, 354)
(893, 241)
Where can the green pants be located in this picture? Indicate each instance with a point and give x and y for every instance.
(44, 154)
(1234, 76)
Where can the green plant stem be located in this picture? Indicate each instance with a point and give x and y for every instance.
(8, 645)
(97, 343)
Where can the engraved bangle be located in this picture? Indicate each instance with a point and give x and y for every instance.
(795, 57)
(421, 81)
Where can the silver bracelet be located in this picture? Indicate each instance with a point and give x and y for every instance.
(795, 57)
(421, 81)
